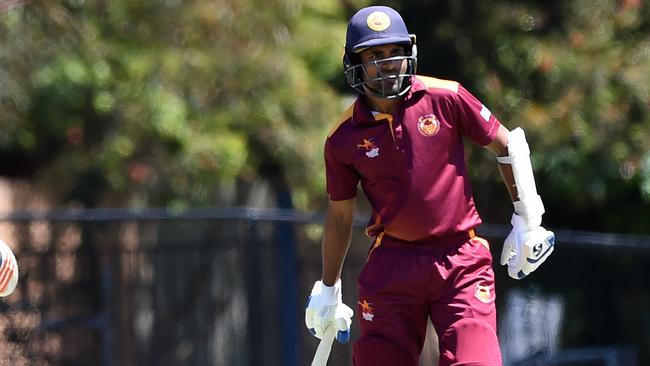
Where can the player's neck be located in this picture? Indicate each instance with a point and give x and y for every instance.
(383, 105)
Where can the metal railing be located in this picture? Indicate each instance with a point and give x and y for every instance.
(226, 284)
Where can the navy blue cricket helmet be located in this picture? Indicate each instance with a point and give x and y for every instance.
(377, 26)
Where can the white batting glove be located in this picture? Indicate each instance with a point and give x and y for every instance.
(526, 248)
(325, 309)
(8, 270)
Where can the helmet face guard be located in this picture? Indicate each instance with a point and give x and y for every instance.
(379, 26)
(383, 84)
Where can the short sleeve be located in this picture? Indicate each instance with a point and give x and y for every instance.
(475, 120)
(342, 181)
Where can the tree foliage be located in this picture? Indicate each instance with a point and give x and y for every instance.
(143, 103)
(185, 103)
(571, 73)
(162, 103)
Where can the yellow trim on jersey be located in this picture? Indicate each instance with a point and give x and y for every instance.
(389, 118)
(473, 236)
(376, 244)
(434, 83)
(380, 115)
(346, 116)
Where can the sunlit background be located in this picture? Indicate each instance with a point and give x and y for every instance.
(162, 179)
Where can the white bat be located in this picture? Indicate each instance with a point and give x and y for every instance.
(324, 347)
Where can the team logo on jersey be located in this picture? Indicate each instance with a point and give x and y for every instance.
(378, 21)
(483, 293)
(428, 125)
(366, 310)
(372, 151)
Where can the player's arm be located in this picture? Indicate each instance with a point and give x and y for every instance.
(528, 245)
(325, 307)
(336, 239)
(499, 146)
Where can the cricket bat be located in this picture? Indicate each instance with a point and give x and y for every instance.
(324, 347)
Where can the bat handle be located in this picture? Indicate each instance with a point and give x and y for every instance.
(324, 347)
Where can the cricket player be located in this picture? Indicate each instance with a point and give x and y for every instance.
(402, 140)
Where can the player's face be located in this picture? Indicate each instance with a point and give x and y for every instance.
(384, 72)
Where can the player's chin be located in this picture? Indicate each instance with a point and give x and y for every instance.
(385, 87)
(392, 85)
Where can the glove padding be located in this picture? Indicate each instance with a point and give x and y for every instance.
(526, 248)
(325, 309)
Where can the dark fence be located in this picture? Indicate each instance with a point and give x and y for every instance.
(227, 287)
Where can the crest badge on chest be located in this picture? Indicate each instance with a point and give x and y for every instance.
(428, 125)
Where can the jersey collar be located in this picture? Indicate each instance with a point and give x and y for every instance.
(416, 86)
(363, 115)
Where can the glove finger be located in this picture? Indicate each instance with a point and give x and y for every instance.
(318, 332)
(317, 329)
(516, 272)
(343, 317)
(309, 317)
(343, 324)
(320, 323)
(516, 265)
(345, 311)
(315, 323)
(309, 322)
(508, 246)
(343, 336)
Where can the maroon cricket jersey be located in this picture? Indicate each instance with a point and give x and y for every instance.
(411, 164)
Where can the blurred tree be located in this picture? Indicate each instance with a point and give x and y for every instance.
(185, 103)
(147, 103)
(573, 75)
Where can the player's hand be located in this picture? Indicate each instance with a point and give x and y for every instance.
(325, 309)
(8, 270)
(526, 248)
